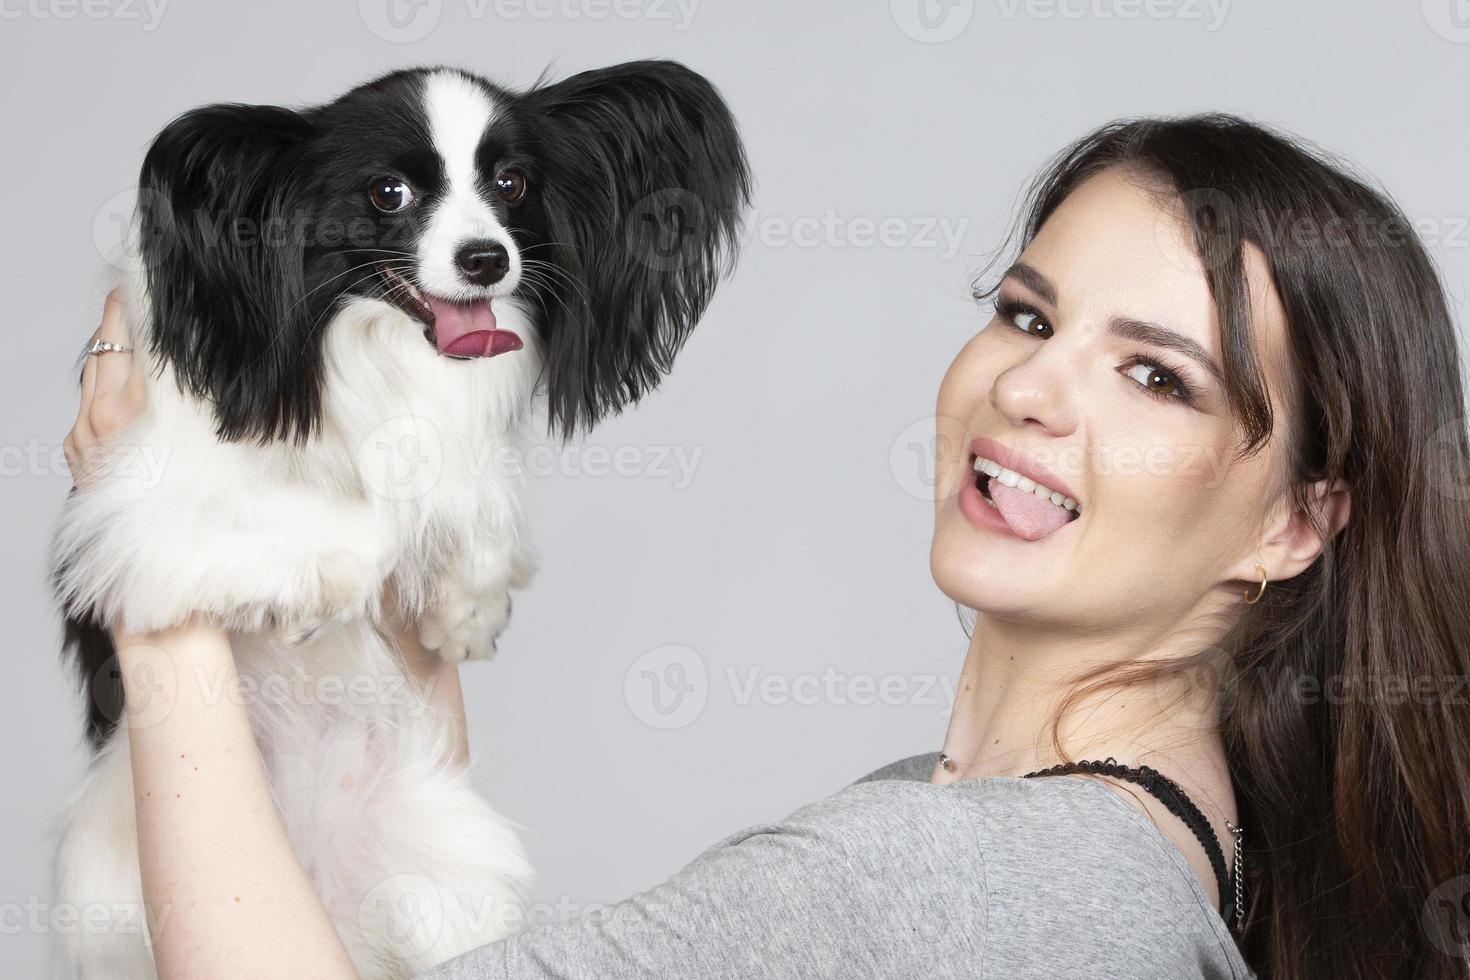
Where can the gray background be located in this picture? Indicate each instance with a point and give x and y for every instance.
(797, 553)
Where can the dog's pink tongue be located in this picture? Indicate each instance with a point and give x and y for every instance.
(1028, 515)
(468, 329)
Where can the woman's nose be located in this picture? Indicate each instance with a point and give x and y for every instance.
(1039, 389)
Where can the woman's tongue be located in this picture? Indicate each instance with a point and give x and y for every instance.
(468, 329)
(1028, 515)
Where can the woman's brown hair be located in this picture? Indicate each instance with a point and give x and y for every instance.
(1344, 711)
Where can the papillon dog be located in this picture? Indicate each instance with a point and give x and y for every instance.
(345, 313)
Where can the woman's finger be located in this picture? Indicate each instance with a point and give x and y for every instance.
(110, 403)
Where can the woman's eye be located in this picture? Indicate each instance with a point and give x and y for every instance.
(1026, 321)
(1024, 318)
(1157, 381)
(390, 194)
(510, 185)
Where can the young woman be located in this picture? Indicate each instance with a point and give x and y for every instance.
(1198, 478)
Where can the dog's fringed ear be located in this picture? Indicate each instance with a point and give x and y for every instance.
(223, 227)
(644, 182)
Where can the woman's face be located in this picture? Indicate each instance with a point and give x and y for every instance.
(1098, 369)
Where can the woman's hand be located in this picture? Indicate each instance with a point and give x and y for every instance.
(113, 394)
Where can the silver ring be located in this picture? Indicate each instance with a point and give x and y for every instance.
(104, 346)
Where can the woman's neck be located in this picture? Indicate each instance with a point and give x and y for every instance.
(1016, 677)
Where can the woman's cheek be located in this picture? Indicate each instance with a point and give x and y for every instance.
(965, 388)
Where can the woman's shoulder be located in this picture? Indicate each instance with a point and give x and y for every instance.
(1043, 849)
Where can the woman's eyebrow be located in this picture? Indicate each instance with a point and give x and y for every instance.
(1127, 327)
(1032, 278)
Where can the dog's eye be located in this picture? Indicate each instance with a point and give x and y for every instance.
(390, 194)
(510, 185)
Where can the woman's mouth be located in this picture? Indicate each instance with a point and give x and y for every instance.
(1027, 509)
(459, 330)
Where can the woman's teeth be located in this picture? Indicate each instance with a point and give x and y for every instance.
(1011, 478)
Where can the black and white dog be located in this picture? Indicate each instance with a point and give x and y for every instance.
(345, 313)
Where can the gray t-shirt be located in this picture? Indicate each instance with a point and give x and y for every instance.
(896, 877)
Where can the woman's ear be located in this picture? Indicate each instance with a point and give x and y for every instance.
(1294, 543)
(223, 226)
(643, 181)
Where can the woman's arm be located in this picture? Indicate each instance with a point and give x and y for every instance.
(218, 871)
(211, 847)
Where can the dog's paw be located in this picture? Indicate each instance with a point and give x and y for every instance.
(465, 627)
(522, 569)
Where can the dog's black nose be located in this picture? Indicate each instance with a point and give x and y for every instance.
(483, 263)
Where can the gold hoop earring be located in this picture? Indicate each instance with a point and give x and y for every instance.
(1259, 592)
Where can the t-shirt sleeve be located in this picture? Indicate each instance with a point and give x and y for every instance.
(851, 886)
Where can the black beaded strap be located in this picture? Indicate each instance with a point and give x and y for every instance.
(1176, 800)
